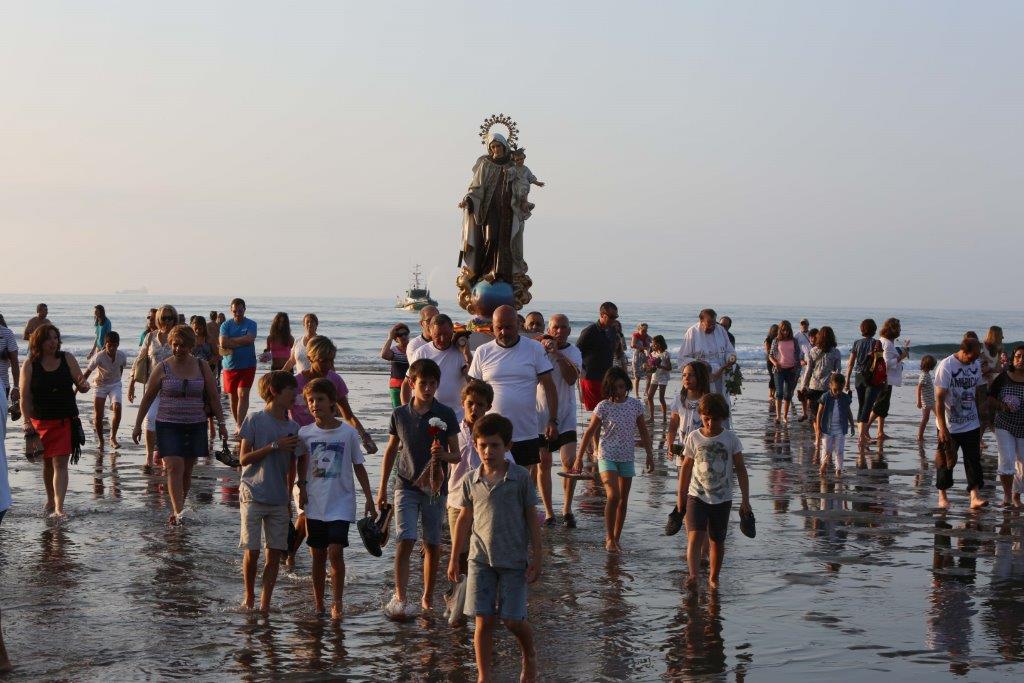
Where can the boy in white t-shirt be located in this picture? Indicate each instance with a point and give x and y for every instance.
(711, 455)
(567, 361)
(327, 492)
(109, 365)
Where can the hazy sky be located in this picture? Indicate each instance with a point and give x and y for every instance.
(809, 152)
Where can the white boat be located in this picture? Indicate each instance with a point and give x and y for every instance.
(417, 296)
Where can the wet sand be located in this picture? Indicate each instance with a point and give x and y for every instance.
(844, 580)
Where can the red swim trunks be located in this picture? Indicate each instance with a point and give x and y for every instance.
(591, 390)
(234, 379)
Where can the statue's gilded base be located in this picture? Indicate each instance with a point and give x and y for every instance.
(481, 297)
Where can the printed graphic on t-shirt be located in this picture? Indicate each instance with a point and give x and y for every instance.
(962, 409)
(711, 469)
(327, 458)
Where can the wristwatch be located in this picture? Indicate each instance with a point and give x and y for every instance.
(273, 445)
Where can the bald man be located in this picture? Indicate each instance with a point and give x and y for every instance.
(427, 314)
(514, 366)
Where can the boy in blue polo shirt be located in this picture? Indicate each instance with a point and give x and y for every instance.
(420, 441)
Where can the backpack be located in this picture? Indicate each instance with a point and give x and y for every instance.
(875, 374)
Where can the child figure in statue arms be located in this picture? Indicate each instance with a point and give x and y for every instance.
(524, 178)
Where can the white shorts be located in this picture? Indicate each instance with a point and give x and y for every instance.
(111, 391)
(151, 415)
(1011, 452)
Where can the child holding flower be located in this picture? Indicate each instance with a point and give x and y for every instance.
(428, 434)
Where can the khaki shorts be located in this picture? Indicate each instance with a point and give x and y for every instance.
(453, 518)
(273, 519)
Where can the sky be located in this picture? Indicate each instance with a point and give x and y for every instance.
(860, 153)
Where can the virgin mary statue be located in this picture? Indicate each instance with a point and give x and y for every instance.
(493, 206)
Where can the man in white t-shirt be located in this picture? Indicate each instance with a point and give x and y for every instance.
(427, 314)
(707, 341)
(805, 341)
(451, 355)
(958, 389)
(567, 362)
(514, 365)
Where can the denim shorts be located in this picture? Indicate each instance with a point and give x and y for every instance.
(496, 591)
(625, 468)
(412, 505)
(182, 440)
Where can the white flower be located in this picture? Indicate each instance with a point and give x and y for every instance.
(437, 423)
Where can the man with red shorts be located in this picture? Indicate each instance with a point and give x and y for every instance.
(597, 346)
(238, 337)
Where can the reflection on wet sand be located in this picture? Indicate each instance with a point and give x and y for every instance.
(862, 566)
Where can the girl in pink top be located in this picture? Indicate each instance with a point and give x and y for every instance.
(279, 341)
(785, 357)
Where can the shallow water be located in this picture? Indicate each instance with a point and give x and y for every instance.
(844, 581)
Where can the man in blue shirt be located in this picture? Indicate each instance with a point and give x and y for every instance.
(238, 339)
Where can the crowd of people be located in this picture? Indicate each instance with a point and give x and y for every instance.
(474, 429)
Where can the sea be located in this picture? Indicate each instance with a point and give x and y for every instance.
(845, 580)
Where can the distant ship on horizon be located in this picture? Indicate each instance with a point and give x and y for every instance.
(140, 290)
(417, 296)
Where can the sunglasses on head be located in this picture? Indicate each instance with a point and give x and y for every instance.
(167, 318)
(403, 333)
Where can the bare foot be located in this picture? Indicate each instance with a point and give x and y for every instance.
(610, 546)
(1007, 503)
(336, 611)
(318, 609)
(247, 603)
(99, 443)
(529, 674)
(712, 583)
(943, 501)
(882, 436)
(822, 469)
(48, 508)
(691, 583)
(978, 503)
(114, 443)
(173, 520)
(425, 604)
(1017, 502)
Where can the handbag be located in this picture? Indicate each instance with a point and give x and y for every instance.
(141, 367)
